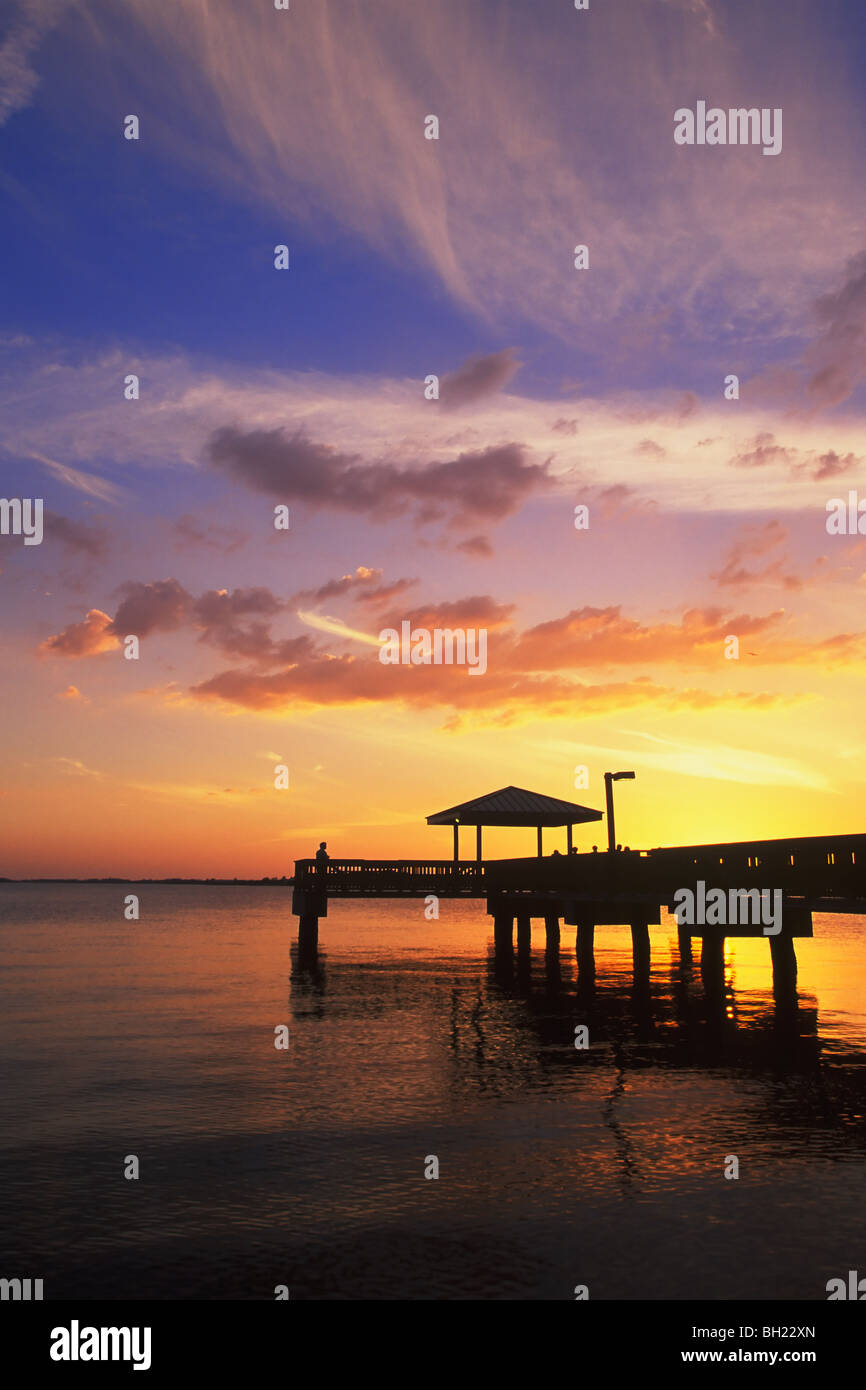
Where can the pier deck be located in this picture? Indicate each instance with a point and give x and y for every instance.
(823, 873)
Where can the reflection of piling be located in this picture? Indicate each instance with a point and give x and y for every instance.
(553, 970)
(503, 946)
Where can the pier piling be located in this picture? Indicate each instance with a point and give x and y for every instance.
(551, 928)
(524, 932)
(784, 959)
(503, 931)
(586, 948)
(713, 964)
(640, 946)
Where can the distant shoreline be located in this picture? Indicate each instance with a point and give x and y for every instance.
(215, 882)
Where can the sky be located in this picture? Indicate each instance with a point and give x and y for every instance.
(604, 387)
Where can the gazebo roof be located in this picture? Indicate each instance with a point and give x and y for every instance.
(515, 806)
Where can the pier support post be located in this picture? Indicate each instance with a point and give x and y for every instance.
(713, 964)
(308, 905)
(640, 950)
(503, 931)
(524, 932)
(684, 940)
(784, 959)
(551, 927)
(308, 936)
(586, 948)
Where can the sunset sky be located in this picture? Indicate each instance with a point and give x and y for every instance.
(410, 257)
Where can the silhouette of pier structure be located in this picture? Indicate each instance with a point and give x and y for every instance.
(825, 873)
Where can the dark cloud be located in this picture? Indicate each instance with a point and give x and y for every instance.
(476, 545)
(478, 377)
(761, 451)
(76, 535)
(477, 610)
(837, 360)
(488, 483)
(190, 531)
(833, 364)
(831, 465)
(233, 621)
(223, 608)
(337, 588)
(385, 592)
(650, 449)
(563, 426)
(363, 586)
(756, 544)
(670, 409)
(145, 608)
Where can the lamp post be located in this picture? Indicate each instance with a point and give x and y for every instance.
(609, 779)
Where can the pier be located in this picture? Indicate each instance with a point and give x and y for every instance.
(613, 887)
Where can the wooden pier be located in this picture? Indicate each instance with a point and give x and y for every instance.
(813, 874)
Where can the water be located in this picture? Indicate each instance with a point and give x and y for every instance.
(558, 1167)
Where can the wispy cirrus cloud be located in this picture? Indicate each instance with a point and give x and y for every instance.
(323, 119)
(720, 763)
(30, 21)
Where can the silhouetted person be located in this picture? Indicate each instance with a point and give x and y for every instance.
(556, 854)
(322, 857)
(573, 849)
(619, 849)
(595, 849)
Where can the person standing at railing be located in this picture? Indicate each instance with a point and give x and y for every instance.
(322, 857)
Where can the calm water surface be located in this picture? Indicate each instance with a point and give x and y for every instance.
(557, 1167)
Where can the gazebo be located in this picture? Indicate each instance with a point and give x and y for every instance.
(513, 806)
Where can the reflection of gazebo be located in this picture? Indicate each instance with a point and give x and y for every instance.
(513, 806)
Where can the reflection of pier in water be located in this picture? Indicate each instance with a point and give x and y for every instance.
(509, 1029)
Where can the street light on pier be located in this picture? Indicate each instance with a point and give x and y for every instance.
(609, 779)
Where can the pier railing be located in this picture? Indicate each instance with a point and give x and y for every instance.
(812, 867)
(385, 878)
(817, 868)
